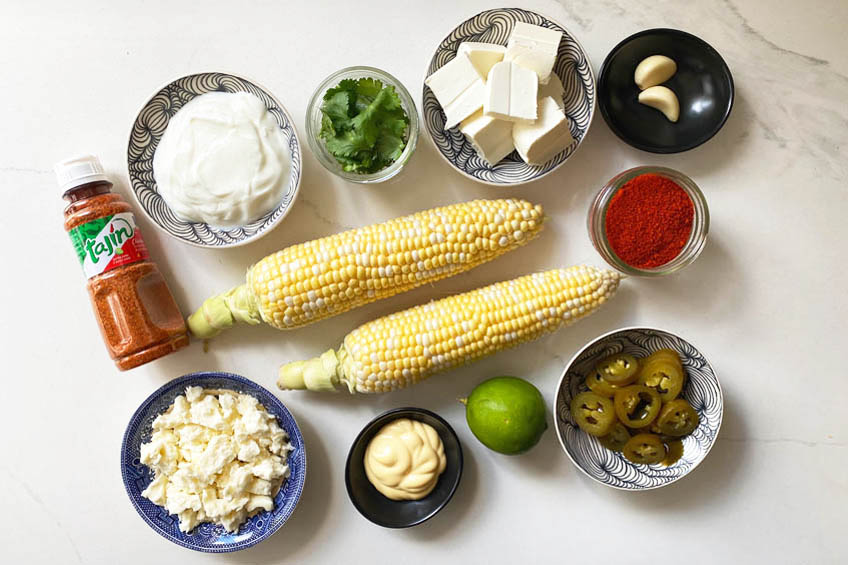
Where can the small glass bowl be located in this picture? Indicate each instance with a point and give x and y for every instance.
(596, 222)
(313, 124)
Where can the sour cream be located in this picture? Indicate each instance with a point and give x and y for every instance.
(223, 160)
(404, 460)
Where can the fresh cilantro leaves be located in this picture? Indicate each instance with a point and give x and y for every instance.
(363, 124)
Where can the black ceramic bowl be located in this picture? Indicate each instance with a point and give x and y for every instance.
(405, 513)
(703, 84)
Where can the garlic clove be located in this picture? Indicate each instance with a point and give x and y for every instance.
(654, 70)
(663, 99)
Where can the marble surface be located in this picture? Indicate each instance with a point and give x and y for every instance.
(766, 301)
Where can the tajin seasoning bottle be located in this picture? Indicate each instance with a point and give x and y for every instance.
(138, 317)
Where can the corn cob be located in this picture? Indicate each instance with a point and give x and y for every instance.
(318, 279)
(401, 349)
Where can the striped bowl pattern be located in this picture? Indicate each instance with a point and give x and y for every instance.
(572, 67)
(150, 125)
(702, 390)
(208, 537)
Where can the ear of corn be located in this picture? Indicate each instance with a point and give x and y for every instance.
(321, 278)
(401, 349)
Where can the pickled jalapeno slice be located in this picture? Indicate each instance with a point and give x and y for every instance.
(616, 438)
(593, 413)
(665, 355)
(619, 369)
(677, 418)
(637, 406)
(645, 449)
(664, 376)
(674, 451)
(599, 385)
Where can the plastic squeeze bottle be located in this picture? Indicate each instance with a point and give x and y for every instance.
(137, 314)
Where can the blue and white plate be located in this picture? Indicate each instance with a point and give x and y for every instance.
(572, 67)
(702, 390)
(208, 537)
(150, 125)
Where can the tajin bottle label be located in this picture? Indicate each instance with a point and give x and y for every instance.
(108, 242)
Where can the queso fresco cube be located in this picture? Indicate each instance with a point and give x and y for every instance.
(534, 47)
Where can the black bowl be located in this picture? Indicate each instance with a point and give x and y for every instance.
(404, 513)
(703, 85)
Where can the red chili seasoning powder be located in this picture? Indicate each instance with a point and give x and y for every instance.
(648, 221)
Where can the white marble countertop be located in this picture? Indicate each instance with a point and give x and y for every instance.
(766, 302)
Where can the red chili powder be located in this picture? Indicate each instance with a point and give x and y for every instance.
(648, 221)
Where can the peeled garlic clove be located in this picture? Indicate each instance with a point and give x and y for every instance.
(654, 70)
(663, 99)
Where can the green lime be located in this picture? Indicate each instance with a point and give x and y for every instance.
(506, 414)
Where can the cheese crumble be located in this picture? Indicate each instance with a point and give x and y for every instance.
(218, 456)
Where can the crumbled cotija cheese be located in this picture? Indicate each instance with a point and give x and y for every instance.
(218, 456)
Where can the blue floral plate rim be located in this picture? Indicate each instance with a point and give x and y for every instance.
(716, 423)
(296, 480)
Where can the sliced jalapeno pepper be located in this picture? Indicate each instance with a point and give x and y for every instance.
(616, 438)
(645, 448)
(665, 354)
(674, 451)
(664, 376)
(619, 369)
(677, 418)
(593, 413)
(637, 406)
(599, 385)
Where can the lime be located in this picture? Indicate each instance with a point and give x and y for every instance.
(506, 414)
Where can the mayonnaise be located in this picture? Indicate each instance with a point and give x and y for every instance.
(223, 160)
(404, 460)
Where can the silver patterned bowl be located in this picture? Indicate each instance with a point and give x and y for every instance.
(572, 66)
(702, 390)
(150, 125)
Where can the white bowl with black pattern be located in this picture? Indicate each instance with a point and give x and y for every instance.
(572, 66)
(150, 125)
(702, 390)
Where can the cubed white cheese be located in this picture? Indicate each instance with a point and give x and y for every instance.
(533, 47)
(459, 88)
(490, 137)
(539, 142)
(511, 93)
(554, 89)
(483, 55)
(468, 102)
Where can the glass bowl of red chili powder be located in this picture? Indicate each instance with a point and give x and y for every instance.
(649, 221)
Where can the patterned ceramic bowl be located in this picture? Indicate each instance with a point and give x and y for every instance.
(208, 537)
(150, 125)
(702, 390)
(572, 67)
